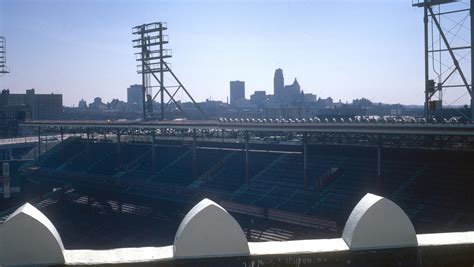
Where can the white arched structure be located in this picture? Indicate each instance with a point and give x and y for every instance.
(29, 238)
(376, 223)
(209, 231)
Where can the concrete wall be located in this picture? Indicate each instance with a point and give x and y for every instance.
(377, 233)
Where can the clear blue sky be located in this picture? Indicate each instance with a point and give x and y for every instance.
(344, 49)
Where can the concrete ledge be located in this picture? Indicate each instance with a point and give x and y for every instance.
(446, 239)
(209, 236)
(309, 246)
(300, 250)
(118, 256)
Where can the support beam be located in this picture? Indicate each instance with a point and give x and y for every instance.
(378, 160)
(185, 90)
(153, 152)
(162, 87)
(427, 76)
(118, 147)
(471, 13)
(88, 147)
(144, 52)
(39, 142)
(166, 91)
(194, 154)
(247, 163)
(379, 176)
(46, 142)
(305, 160)
(451, 53)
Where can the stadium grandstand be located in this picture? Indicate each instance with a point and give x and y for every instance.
(106, 178)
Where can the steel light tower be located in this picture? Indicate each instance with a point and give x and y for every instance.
(152, 54)
(3, 56)
(447, 64)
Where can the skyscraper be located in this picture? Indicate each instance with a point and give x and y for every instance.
(237, 91)
(278, 83)
(134, 95)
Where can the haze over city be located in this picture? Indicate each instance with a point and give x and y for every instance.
(354, 49)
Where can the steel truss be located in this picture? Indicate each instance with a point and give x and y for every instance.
(151, 56)
(452, 137)
(3, 56)
(439, 77)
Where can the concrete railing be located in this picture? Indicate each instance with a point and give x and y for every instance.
(376, 230)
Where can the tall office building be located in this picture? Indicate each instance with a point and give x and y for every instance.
(278, 83)
(135, 95)
(41, 106)
(237, 91)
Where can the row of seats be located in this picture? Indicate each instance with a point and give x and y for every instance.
(432, 187)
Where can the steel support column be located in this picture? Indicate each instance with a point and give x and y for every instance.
(247, 163)
(39, 142)
(379, 176)
(153, 152)
(194, 154)
(471, 13)
(305, 160)
(46, 143)
(118, 147)
(87, 147)
(162, 81)
(144, 52)
(427, 76)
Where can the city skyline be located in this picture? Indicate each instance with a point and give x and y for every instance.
(83, 50)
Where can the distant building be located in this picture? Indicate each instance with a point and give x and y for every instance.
(135, 95)
(97, 104)
(82, 104)
(258, 98)
(278, 84)
(42, 106)
(310, 98)
(10, 116)
(118, 105)
(325, 103)
(287, 95)
(243, 103)
(237, 91)
(363, 102)
(291, 93)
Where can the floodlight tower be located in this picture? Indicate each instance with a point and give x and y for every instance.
(3, 56)
(445, 51)
(151, 56)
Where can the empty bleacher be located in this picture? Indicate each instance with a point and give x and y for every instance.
(433, 188)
